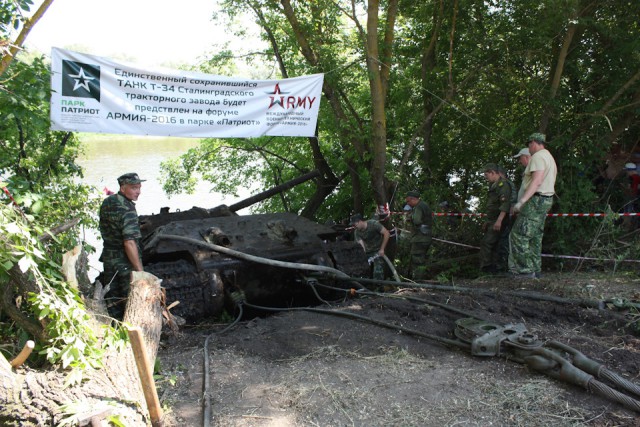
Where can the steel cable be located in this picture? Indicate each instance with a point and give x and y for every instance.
(619, 381)
(608, 392)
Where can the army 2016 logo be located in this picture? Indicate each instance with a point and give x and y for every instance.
(80, 80)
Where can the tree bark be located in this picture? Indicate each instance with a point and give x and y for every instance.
(557, 71)
(26, 29)
(29, 397)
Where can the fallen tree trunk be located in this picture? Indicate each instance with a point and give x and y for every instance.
(29, 397)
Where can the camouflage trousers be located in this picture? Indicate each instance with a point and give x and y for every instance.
(418, 259)
(378, 265)
(116, 298)
(525, 240)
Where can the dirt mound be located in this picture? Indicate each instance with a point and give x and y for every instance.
(302, 368)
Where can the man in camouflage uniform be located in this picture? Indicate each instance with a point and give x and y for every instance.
(503, 244)
(497, 219)
(383, 215)
(420, 225)
(120, 232)
(374, 238)
(534, 202)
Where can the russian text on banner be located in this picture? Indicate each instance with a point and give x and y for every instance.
(95, 94)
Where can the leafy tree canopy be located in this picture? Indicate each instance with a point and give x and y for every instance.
(467, 83)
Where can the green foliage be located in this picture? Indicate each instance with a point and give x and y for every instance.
(13, 14)
(38, 165)
(39, 171)
(71, 340)
(488, 75)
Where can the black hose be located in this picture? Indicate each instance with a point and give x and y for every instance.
(529, 295)
(445, 341)
(252, 258)
(396, 296)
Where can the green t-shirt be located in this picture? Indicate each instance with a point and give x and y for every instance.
(370, 236)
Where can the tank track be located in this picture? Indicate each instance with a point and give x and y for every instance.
(201, 294)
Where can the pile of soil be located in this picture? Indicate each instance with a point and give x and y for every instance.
(319, 368)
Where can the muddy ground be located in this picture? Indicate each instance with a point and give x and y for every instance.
(303, 368)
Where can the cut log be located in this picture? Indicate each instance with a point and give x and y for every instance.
(29, 397)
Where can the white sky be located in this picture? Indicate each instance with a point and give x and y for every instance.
(148, 32)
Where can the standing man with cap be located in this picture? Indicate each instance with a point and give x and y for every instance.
(498, 206)
(523, 156)
(420, 224)
(534, 202)
(373, 238)
(503, 246)
(121, 235)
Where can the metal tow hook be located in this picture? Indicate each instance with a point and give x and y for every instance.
(559, 361)
(488, 339)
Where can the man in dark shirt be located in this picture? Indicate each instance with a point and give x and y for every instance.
(498, 206)
(120, 232)
(374, 238)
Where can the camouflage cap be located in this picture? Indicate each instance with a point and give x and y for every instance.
(491, 167)
(130, 178)
(501, 169)
(538, 137)
(413, 193)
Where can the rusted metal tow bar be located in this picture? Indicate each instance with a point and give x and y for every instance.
(552, 358)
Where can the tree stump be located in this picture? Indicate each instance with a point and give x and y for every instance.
(29, 397)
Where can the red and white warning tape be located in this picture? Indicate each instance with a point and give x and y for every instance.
(549, 215)
(595, 214)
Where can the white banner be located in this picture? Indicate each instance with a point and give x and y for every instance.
(95, 94)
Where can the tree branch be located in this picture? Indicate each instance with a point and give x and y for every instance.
(26, 29)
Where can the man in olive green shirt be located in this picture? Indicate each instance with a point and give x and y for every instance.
(420, 225)
(497, 217)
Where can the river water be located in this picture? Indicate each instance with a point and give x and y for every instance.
(107, 157)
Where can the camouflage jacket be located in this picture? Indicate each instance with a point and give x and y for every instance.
(421, 222)
(118, 222)
(370, 236)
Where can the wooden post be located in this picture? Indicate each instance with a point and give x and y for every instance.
(26, 351)
(145, 370)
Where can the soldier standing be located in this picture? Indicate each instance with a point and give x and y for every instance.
(498, 206)
(534, 202)
(420, 224)
(503, 245)
(121, 236)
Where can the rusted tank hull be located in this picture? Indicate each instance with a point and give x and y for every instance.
(203, 279)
